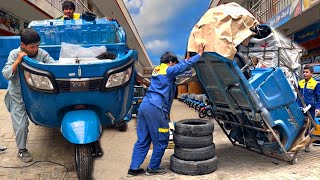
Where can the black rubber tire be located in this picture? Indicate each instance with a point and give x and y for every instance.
(123, 127)
(195, 154)
(194, 127)
(202, 113)
(84, 161)
(192, 142)
(193, 167)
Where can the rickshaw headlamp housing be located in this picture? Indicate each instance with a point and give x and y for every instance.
(38, 81)
(119, 78)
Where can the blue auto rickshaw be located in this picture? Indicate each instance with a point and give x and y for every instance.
(82, 96)
(256, 108)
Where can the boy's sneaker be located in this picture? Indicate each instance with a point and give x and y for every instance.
(133, 172)
(159, 171)
(2, 149)
(24, 155)
(307, 149)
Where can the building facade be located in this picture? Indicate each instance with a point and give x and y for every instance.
(16, 14)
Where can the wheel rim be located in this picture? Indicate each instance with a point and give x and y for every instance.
(209, 113)
(202, 114)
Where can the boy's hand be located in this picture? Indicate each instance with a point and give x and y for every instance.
(317, 112)
(201, 49)
(188, 55)
(21, 55)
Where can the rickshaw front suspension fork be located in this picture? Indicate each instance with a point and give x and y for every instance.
(96, 149)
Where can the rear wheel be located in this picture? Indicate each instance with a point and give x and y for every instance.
(84, 161)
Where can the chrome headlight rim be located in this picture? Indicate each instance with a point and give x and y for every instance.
(39, 72)
(117, 70)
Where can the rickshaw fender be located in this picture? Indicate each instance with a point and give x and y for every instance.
(81, 126)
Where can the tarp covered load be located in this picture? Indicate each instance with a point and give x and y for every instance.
(273, 51)
(230, 28)
(222, 28)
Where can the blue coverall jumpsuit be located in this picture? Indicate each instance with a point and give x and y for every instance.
(153, 116)
(310, 92)
(13, 98)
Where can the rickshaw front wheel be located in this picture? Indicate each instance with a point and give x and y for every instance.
(84, 161)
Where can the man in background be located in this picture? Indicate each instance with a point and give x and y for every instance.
(68, 9)
(310, 91)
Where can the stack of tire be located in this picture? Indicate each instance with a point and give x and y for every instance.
(194, 151)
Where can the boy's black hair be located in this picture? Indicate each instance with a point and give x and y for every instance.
(68, 5)
(29, 36)
(308, 67)
(167, 57)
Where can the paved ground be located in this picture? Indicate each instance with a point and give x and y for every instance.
(48, 145)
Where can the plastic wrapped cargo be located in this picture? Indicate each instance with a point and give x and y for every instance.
(275, 50)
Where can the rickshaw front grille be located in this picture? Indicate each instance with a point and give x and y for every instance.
(91, 84)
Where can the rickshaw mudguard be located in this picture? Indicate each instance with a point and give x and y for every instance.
(81, 126)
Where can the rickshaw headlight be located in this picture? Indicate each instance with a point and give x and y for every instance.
(118, 79)
(38, 81)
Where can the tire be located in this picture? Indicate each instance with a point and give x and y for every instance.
(193, 167)
(202, 114)
(195, 154)
(84, 161)
(123, 127)
(194, 127)
(209, 113)
(192, 142)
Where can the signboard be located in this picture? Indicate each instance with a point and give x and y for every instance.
(279, 19)
(306, 4)
(285, 14)
(309, 33)
(305, 59)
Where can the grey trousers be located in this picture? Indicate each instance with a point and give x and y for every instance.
(19, 119)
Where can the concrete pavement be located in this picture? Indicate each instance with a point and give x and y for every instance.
(48, 145)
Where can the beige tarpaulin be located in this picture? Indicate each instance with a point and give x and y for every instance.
(222, 28)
